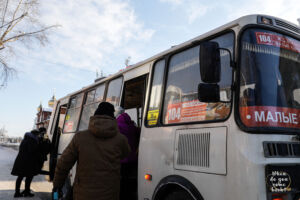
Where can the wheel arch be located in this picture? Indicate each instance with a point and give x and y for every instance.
(173, 183)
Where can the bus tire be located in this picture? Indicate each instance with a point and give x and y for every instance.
(179, 195)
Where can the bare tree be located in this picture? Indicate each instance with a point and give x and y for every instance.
(19, 21)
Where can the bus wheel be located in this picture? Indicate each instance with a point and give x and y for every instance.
(179, 195)
(67, 190)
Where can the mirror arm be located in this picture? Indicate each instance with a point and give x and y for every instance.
(232, 64)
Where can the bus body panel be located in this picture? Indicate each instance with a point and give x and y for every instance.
(142, 70)
(49, 130)
(194, 152)
(160, 162)
(64, 141)
(236, 168)
(245, 177)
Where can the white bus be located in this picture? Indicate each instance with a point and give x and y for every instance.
(219, 114)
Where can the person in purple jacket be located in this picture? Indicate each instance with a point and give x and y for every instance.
(128, 128)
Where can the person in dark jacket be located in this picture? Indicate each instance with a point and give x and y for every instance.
(128, 128)
(44, 148)
(26, 163)
(98, 152)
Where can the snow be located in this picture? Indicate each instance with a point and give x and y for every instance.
(40, 187)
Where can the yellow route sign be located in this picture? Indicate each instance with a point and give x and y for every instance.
(152, 117)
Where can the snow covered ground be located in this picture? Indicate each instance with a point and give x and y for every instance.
(41, 188)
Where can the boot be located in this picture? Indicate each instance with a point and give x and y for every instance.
(27, 193)
(18, 194)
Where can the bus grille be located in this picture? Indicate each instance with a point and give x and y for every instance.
(287, 26)
(281, 149)
(193, 149)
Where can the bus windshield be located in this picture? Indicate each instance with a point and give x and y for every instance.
(269, 80)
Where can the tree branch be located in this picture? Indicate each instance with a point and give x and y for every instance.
(16, 22)
(3, 17)
(5, 73)
(22, 16)
(16, 37)
(13, 19)
(14, 15)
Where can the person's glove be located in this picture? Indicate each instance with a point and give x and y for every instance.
(56, 193)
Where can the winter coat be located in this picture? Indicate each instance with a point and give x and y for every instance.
(128, 128)
(98, 152)
(44, 150)
(27, 161)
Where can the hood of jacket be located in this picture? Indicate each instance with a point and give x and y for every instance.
(103, 126)
(31, 135)
(124, 118)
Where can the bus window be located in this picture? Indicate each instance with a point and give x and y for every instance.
(62, 114)
(134, 92)
(73, 112)
(134, 95)
(59, 118)
(99, 93)
(94, 97)
(155, 95)
(90, 97)
(181, 102)
(271, 71)
(114, 90)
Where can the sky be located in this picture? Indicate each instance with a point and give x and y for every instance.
(98, 35)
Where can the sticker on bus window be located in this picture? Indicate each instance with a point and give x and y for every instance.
(68, 126)
(279, 181)
(266, 116)
(68, 117)
(186, 112)
(277, 41)
(152, 117)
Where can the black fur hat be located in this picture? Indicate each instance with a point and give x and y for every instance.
(105, 108)
(35, 132)
(42, 130)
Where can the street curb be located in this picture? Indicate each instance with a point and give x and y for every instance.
(14, 147)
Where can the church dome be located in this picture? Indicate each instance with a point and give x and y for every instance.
(51, 101)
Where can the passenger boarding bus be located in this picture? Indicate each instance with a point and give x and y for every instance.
(219, 114)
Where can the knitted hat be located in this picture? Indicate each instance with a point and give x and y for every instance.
(105, 108)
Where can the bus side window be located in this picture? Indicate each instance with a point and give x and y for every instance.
(93, 98)
(181, 104)
(133, 98)
(114, 91)
(59, 118)
(62, 114)
(155, 94)
(72, 117)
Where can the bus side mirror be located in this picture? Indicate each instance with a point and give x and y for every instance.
(210, 62)
(209, 92)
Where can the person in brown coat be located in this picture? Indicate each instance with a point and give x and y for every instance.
(98, 152)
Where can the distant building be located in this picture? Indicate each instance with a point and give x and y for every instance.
(44, 114)
(3, 139)
(3, 136)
